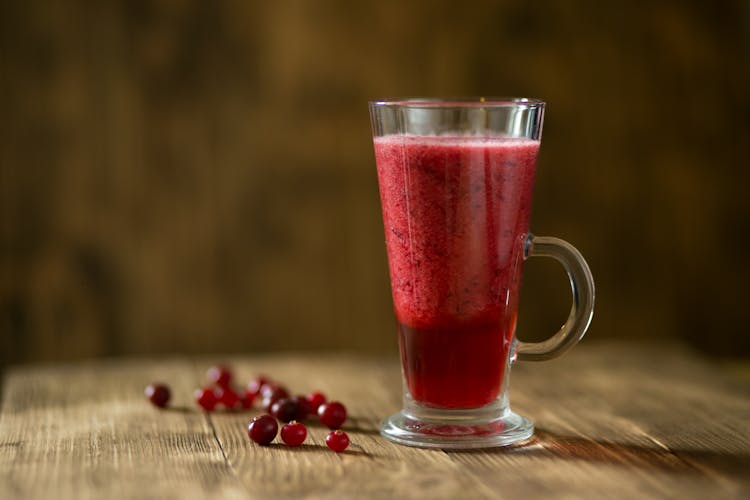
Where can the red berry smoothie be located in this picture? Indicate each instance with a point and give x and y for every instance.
(456, 216)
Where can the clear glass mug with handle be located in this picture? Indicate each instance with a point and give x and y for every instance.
(456, 180)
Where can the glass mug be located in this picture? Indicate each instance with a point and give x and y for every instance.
(455, 180)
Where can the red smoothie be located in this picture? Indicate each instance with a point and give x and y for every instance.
(456, 216)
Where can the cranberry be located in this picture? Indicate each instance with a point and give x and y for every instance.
(315, 399)
(220, 375)
(271, 388)
(288, 409)
(247, 399)
(158, 394)
(293, 433)
(337, 440)
(270, 397)
(206, 398)
(284, 409)
(262, 429)
(303, 407)
(228, 397)
(257, 383)
(332, 414)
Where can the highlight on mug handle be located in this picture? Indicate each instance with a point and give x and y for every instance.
(582, 310)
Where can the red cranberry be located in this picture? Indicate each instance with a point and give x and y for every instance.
(271, 388)
(257, 383)
(206, 398)
(288, 409)
(293, 433)
(332, 414)
(315, 399)
(262, 429)
(158, 394)
(227, 397)
(220, 375)
(247, 399)
(270, 397)
(303, 407)
(284, 409)
(337, 440)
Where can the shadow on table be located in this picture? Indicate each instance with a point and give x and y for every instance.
(353, 449)
(179, 409)
(351, 425)
(547, 444)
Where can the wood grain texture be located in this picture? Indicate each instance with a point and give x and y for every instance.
(613, 420)
(84, 432)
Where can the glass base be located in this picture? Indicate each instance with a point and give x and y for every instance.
(457, 429)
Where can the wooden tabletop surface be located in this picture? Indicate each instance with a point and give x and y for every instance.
(613, 420)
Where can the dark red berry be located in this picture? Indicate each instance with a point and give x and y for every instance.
(270, 397)
(303, 407)
(285, 410)
(337, 440)
(247, 399)
(158, 394)
(271, 388)
(315, 399)
(262, 429)
(227, 397)
(288, 409)
(293, 433)
(220, 375)
(266, 389)
(332, 414)
(255, 385)
(206, 398)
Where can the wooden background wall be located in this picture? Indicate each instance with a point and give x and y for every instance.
(198, 176)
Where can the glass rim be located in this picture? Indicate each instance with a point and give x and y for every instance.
(458, 102)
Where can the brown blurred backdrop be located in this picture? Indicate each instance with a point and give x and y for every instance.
(198, 176)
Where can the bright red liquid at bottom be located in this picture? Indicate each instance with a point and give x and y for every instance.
(455, 367)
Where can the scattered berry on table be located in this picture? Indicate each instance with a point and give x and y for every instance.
(303, 407)
(271, 388)
(332, 414)
(220, 375)
(337, 440)
(315, 399)
(247, 399)
(262, 429)
(255, 385)
(275, 399)
(272, 395)
(284, 409)
(227, 397)
(206, 398)
(293, 433)
(158, 394)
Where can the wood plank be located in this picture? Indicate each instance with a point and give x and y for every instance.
(613, 420)
(595, 411)
(85, 431)
(372, 467)
(625, 421)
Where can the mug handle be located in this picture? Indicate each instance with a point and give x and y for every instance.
(582, 310)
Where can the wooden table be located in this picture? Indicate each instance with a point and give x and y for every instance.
(613, 420)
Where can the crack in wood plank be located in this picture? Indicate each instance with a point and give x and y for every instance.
(209, 421)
